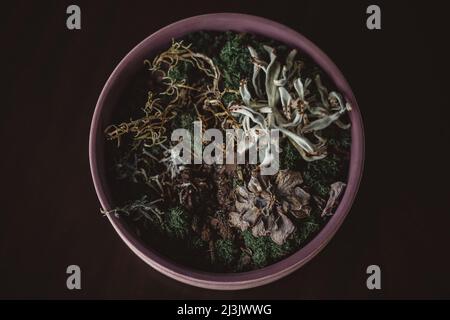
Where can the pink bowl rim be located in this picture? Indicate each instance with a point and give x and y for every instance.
(223, 281)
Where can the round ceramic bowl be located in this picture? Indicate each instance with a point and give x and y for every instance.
(125, 71)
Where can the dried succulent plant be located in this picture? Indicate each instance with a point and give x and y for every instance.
(288, 103)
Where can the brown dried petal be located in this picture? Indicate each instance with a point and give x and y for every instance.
(266, 195)
(236, 220)
(241, 193)
(286, 180)
(302, 195)
(244, 200)
(303, 213)
(243, 207)
(294, 206)
(265, 201)
(335, 193)
(254, 185)
(271, 220)
(282, 229)
(259, 229)
(251, 216)
(294, 203)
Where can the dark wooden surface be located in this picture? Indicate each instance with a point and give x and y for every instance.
(49, 212)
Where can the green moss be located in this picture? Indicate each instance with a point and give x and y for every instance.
(340, 140)
(225, 251)
(185, 120)
(305, 229)
(264, 250)
(290, 157)
(176, 223)
(206, 42)
(228, 97)
(234, 61)
(320, 174)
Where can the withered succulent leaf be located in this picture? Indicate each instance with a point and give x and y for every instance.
(323, 92)
(285, 97)
(273, 70)
(300, 88)
(299, 141)
(257, 65)
(322, 123)
(243, 199)
(340, 124)
(245, 94)
(290, 59)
